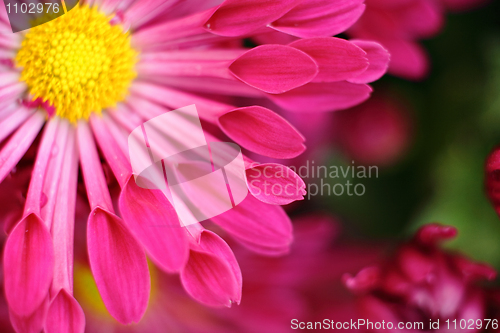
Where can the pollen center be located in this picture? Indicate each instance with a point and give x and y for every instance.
(79, 63)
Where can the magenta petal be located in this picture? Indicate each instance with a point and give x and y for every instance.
(261, 225)
(378, 57)
(262, 131)
(275, 184)
(65, 315)
(338, 59)
(153, 220)
(209, 280)
(274, 68)
(119, 267)
(322, 97)
(212, 243)
(320, 18)
(28, 265)
(239, 17)
(34, 322)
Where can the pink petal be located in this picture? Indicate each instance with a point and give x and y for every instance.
(11, 92)
(409, 60)
(257, 224)
(153, 220)
(275, 184)
(143, 11)
(378, 57)
(262, 131)
(322, 97)
(65, 315)
(119, 267)
(274, 68)
(239, 17)
(13, 121)
(208, 109)
(212, 243)
(209, 279)
(20, 141)
(320, 18)
(211, 63)
(28, 265)
(338, 59)
(112, 152)
(34, 322)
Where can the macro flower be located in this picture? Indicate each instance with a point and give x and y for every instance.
(76, 86)
(424, 283)
(398, 25)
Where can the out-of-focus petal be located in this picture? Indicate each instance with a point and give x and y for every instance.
(263, 227)
(338, 59)
(378, 57)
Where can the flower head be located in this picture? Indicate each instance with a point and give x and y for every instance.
(90, 77)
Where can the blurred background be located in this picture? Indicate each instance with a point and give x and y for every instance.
(448, 123)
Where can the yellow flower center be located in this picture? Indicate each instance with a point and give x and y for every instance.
(79, 63)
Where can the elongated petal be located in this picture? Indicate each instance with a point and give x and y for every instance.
(275, 184)
(11, 92)
(274, 68)
(259, 224)
(19, 143)
(338, 59)
(320, 18)
(208, 109)
(153, 220)
(322, 97)
(378, 57)
(239, 17)
(119, 267)
(65, 315)
(409, 60)
(263, 131)
(212, 243)
(13, 121)
(209, 279)
(34, 322)
(28, 265)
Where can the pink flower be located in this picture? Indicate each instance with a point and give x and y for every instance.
(106, 67)
(421, 283)
(399, 25)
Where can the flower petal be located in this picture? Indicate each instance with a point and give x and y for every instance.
(274, 68)
(378, 57)
(338, 59)
(34, 322)
(212, 243)
(322, 97)
(239, 17)
(153, 220)
(275, 184)
(28, 265)
(119, 267)
(261, 225)
(262, 131)
(209, 279)
(320, 18)
(65, 315)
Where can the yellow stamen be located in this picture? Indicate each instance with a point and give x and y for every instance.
(78, 62)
